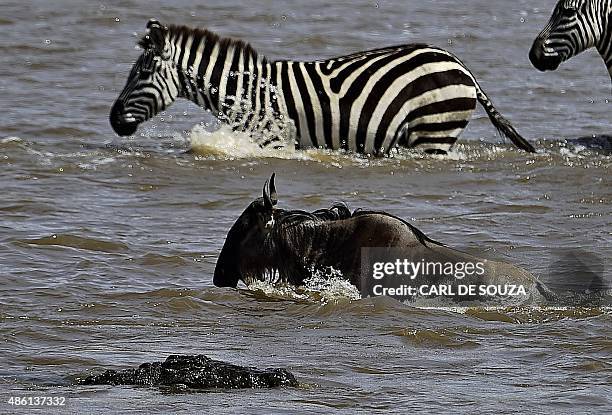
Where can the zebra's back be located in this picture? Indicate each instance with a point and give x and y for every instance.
(411, 95)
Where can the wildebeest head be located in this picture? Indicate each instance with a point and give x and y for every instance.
(246, 240)
(152, 85)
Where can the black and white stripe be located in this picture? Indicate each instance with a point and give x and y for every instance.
(369, 102)
(575, 25)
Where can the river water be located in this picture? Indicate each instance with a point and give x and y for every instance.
(107, 245)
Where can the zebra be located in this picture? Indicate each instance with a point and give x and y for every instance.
(369, 102)
(575, 25)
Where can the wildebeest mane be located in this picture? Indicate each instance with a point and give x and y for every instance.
(337, 211)
(340, 211)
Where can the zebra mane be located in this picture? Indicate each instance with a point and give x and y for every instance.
(176, 31)
(144, 42)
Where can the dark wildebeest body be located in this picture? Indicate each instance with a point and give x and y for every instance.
(267, 243)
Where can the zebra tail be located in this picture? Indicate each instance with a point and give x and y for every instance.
(502, 124)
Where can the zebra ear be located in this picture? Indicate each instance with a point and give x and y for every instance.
(153, 23)
(156, 34)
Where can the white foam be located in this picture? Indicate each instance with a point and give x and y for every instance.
(270, 289)
(228, 144)
(11, 140)
(93, 164)
(571, 152)
(322, 286)
(225, 143)
(330, 285)
(232, 144)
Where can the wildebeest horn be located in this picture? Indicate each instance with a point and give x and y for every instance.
(269, 193)
(273, 195)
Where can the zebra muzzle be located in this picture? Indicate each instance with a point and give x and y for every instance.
(121, 124)
(541, 59)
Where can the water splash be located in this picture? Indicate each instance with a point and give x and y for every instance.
(330, 285)
(276, 291)
(11, 139)
(323, 286)
(225, 143)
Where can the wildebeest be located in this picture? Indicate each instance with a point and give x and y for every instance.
(286, 246)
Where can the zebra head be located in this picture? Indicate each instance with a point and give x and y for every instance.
(575, 25)
(152, 85)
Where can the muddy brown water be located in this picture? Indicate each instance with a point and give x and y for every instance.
(107, 245)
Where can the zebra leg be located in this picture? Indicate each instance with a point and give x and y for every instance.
(273, 141)
(436, 133)
(441, 145)
(435, 151)
(270, 135)
(429, 142)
